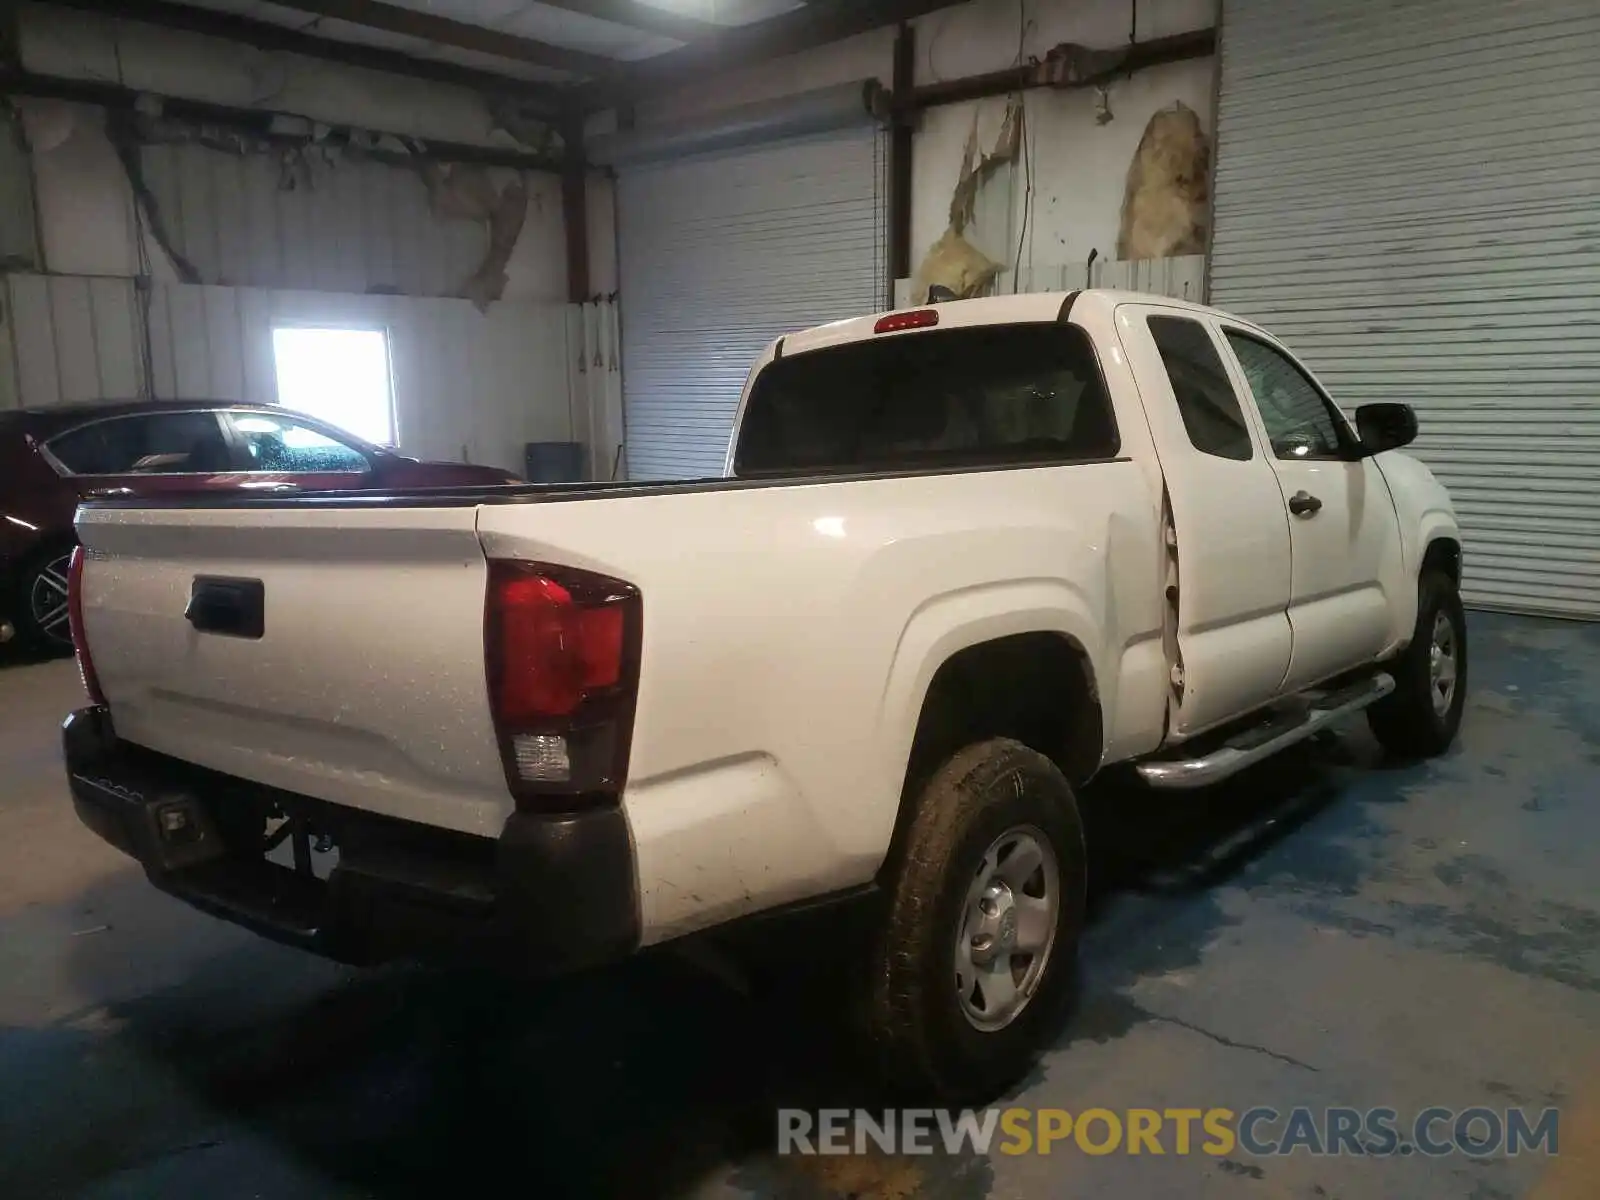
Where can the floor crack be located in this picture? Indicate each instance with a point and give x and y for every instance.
(1233, 1045)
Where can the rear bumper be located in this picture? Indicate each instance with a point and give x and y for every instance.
(552, 894)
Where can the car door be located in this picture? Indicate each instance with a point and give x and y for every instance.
(145, 453)
(1344, 535)
(1229, 560)
(282, 450)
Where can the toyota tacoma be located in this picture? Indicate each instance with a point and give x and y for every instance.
(962, 559)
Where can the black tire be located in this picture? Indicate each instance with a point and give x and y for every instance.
(1408, 722)
(43, 578)
(916, 1016)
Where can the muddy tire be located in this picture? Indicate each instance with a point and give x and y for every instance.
(971, 972)
(1421, 717)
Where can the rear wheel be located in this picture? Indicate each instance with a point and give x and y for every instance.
(41, 601)
(970, 975)
(1421, 717)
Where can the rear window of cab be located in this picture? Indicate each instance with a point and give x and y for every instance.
(984, 395)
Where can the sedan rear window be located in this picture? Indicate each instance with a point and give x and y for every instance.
(989, 395)
(145, 444)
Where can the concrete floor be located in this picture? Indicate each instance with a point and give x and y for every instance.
(1324, 932)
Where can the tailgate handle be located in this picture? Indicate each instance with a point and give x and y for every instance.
(231, 607)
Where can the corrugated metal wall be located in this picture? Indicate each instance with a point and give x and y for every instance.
(1406, 192)
(467, 384)
(1182, 278)
(348, 227)
(721, 253)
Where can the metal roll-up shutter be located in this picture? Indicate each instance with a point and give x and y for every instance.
(720, 253)
(1407, 194)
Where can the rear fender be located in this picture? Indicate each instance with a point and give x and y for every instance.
(955, 621)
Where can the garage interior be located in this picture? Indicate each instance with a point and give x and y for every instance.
(574, 224)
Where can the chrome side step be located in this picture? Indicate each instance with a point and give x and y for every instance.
(1263, 741)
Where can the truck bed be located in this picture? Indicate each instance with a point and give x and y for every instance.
(783, 645)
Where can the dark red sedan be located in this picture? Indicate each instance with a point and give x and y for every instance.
(51, 458)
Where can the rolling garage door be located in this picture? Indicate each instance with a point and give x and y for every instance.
(1406, 192)
(720, 253)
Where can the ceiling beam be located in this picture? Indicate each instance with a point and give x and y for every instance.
(646, 17)
(259, 123)
(1067, 66)
(277, 39)
(818, 23)
(391, 18)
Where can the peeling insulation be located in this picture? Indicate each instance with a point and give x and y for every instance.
(306, 156)
(954, 263)
(469, 193)
(1166, 210)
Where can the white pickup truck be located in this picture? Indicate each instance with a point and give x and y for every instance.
(964, 558)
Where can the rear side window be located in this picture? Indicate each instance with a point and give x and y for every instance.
(1206, 399)
(280, 444)
(992, 395)
(153, 444)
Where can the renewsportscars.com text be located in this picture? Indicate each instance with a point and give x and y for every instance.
(1258, 1132)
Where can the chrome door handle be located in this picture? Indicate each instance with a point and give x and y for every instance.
(1304, 504)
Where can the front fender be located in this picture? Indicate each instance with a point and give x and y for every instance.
(1426, 515)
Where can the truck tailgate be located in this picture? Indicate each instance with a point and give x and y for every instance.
(365, 686)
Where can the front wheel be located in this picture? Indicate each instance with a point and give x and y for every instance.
(1421, 717)
(973, 967)
(41, 602)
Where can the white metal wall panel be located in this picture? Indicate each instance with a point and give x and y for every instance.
(73, 338)
(18, 244)
(1406, 193)
(1182, 278)
(351, 227)
(722, 253)
(468, 386)
(594, 352)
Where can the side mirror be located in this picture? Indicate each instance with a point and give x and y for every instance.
(1385, 427)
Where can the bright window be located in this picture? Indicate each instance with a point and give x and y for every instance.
(339, 375)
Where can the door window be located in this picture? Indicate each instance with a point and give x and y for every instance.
(285, 445)
(148, 444)
(1206, 399)
(1300, 422)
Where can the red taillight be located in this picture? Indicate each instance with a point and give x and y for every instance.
(922, 318)
(80, 643)
(553, 651)
(562, 655)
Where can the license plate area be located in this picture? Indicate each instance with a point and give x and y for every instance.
(293, 841)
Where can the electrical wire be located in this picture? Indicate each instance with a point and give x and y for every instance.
(143, 288)
(1024, 147)
(1027, 198)
(143, 284)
